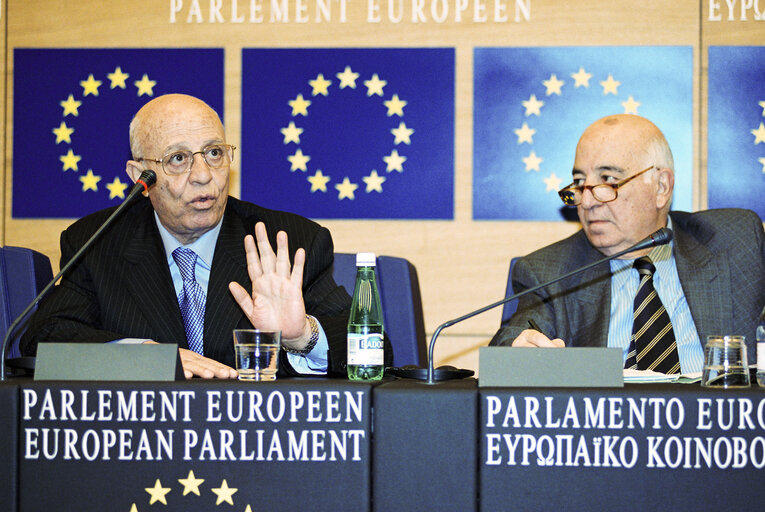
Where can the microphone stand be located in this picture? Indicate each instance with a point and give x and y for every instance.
(660, 237)
(146, 180)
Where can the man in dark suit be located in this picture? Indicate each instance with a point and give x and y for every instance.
(128, 285)
(711, 279)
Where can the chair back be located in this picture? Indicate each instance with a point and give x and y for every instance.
(401, 304)
(23, 274)
(508, 310)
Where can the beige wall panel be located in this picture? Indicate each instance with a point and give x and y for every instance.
(462, 264)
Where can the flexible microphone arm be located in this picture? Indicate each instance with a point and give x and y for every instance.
(144, 181)
(660, 237)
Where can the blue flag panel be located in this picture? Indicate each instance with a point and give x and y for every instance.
(71, 112)
(532, 104)
(736, 129)
(349, 133)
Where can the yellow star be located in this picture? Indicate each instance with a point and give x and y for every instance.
(224, 493)
(346, 189)
(759, 134)
(299, 105)
(374, 181)
(318, 181)
(394, 161)
(533, 106)
(116, 189)
(630, 106)
(70, 160)
(610, 86)
(581, 78)
(291, 133)
(375, 85)
(118, 78)
(298, 161)
(63, 133)
(157, 493)
(762, 104)
(762, 161)
(552, 85)
(395, 106)
(525, 134)
(133, 508)
(347, 78)
(553, 182)
(90, 182)
(532, 162)
(402, 134)
(90, 86)
(145, 86)
(191, 484)
(248, 509)
(320, 85)
(70, 106)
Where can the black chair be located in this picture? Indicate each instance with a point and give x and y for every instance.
(401, 303)
(23, 274)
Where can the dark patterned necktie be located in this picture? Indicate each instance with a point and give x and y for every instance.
(653, 345)
(191, 299)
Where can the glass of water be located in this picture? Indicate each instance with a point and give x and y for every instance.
(257, 353)
(725, 363)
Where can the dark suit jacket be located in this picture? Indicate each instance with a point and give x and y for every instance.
(122, 287)
(720, 256)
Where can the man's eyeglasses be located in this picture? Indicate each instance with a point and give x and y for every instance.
(180, 162)
(571, 195)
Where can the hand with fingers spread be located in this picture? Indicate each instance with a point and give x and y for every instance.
(276, 301)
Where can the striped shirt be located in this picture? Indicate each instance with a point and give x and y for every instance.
(624, 285)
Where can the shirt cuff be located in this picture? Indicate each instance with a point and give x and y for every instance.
(316, 361)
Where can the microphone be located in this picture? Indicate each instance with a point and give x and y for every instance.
(144, 181)
(661, 237)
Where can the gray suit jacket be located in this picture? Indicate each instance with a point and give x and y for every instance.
(720, 256)
(122, 286)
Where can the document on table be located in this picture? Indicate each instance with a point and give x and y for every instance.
(648, 376)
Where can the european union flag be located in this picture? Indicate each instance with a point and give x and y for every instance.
(532, 104)
(71, 112)
(349, 133)
(736, 129)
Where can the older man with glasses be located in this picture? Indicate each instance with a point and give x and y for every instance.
(657, 305)
(189, 264)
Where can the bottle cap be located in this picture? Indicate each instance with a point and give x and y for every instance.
(365, 259)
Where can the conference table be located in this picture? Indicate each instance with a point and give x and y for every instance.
(334, 445)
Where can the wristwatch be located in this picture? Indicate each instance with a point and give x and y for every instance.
(311, 342)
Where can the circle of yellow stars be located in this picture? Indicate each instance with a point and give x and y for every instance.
(191, 485)
(533, 107)
(346, 189)
(759, 135)
(71, 107)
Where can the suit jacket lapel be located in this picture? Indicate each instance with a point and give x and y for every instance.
(150, 284)
(592, 304)
(222, 313)
(706, 282)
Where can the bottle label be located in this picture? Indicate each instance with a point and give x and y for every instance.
(365, 349)
(761, 356)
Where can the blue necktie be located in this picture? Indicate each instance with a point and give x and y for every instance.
(191, 299)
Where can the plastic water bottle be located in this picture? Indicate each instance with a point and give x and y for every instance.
(365, 324)
(761, 349)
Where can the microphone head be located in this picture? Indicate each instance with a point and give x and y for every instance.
(662, 236)
(148, 178)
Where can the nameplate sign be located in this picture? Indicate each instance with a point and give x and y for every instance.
(296, 444)
(108, 362)
(563, 367)
(641, 447)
